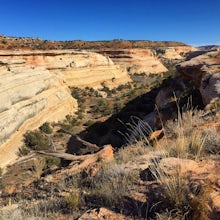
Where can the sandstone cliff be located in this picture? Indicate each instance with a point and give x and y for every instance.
(136, 60)
(177, 52)
(29, 96)
(204, 72)
(76, 68)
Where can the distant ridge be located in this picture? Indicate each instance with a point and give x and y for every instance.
(208, 47)
(37, 43)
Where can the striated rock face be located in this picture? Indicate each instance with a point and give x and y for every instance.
(76, 68)
(177, 53)
(204, 72)
(136, 60)
(29, 97)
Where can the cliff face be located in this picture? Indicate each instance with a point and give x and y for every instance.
(136, 60)
(29, 96)
(204, 72)
(34, 89)
(177, 52)
(76, 68)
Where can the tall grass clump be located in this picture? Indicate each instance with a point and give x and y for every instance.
(184, 138)
(110, 186)
(184, 198)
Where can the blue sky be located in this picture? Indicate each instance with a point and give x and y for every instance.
(195, 22)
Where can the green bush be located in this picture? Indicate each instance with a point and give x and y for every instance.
(89, 123)
(35, 140)
(46, 128)
(52, 161)
(23, 151)
(102, 107)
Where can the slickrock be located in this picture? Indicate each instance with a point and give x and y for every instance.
(204, 72)
(136, 60)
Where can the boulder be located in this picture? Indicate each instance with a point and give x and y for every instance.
(172, 165)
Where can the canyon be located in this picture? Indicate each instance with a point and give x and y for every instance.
(34, 89)
(35, 83)
(100, 157)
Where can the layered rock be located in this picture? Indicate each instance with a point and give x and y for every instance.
(136, 60)
(204, 72)
(177, 53)
(77, 68)
(29, 96)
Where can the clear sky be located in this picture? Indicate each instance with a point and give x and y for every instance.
(195, 22)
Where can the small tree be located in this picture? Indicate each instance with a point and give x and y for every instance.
(35, 140)
(46, 128)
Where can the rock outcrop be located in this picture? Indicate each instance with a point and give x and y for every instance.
(136, 60)
(204, 72)
(29, 96)
(178, 52)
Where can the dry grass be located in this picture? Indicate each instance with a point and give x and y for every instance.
(189, 138)
(110, 186)
(183, 197)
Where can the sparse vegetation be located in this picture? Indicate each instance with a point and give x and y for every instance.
(51, 162)
(46, 128)
(35, 140)
(23, 151)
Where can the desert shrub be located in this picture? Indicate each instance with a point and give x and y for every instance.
(185, 141)
(117, 107)
(89, 123)
(52, 161)
(107, 91)
(75, 92)
(73, 199)
(102, 107)
(120, 87)
(46, 128)
(23, 151)
(70, 122)
(35, 140)
(212, 141)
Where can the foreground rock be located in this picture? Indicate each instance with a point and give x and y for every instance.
(88, 164)
(30, 168)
